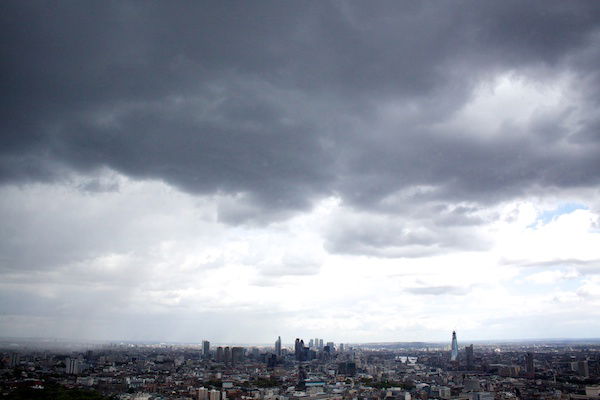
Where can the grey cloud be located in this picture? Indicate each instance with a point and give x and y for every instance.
(276, 105)
(66, 229)
(459, 216)
(244, 209)
(97, 185)
(413, 235)
(484, 171)
(583, 267)
(169, 326)
(73, 301)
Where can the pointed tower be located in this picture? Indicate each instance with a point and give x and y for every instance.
(454, 354)
(278, 346)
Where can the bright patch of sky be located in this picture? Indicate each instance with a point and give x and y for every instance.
(547, 216)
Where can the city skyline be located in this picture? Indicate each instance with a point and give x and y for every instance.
(486, 372)
(239, 171)
(214, 344)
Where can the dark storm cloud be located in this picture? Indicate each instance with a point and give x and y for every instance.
(98, 185)
(277, 104)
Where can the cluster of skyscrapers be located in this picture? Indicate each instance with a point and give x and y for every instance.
(223, 354)
(316, 348)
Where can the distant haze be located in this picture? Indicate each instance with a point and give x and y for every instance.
(353, 171)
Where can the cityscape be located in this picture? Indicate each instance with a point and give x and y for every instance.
(314, 369)
(299, 200)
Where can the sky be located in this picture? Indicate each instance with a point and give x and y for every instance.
(354, 171)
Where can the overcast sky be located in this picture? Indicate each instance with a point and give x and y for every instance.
(357, 171)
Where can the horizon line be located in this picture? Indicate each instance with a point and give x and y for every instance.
(350, 343)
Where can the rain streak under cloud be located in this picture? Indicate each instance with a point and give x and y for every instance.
(236, 171)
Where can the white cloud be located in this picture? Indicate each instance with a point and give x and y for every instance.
(512, 101)
(554, 276)
(149, 251)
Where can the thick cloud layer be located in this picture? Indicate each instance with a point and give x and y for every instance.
(270, 138)
(283, 102)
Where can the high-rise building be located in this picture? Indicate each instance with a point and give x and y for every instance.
(347, 368)
(341, 348)
(454, 353)
(227, 354)
(278, 346)
(203, 393)
(15, 360)
(297, 349)
(321, 344)
(72, 366)
(237, 355)
(219, 357)
(206, 349)
(311, 344)
(300, 352)
(583, 368)
(529, 368)
(470, 358)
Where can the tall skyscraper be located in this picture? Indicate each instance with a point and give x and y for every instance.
(227, 355)
(311, 344)
(529, 368)
(297, 349)
(321, 344)
(300, 352)
(454, 354)
(206, 349)
(237, 354)
(278, 346)
(72, 366)
(220, 357)
(583, 368)
(470, 358)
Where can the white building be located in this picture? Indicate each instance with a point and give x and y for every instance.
(71, 366)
